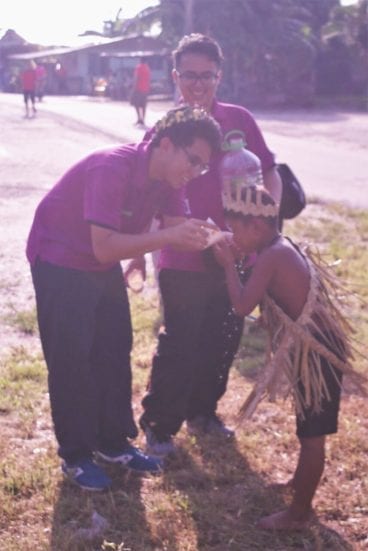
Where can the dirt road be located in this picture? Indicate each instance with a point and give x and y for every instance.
(327, 149)
(33, 154)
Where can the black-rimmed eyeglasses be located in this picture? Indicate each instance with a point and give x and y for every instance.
(207, 77)
(199, 167)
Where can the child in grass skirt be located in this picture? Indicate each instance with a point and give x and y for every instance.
(309, 339)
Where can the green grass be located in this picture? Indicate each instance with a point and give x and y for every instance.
(22, 377)
(24, 321)
(211, 494)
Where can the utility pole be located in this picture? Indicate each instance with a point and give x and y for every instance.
(188, 22)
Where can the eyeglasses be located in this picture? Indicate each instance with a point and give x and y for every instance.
(191, 77)
(198, 167)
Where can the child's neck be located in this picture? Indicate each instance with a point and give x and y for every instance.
(269, 239)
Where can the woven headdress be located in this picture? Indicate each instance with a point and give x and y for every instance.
(248, 200)
(181, 114)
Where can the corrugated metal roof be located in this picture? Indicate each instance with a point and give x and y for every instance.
(131, 46)
(41, 53)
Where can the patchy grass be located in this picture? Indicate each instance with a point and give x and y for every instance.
(24, 321)
(211, 494)
(22, 377)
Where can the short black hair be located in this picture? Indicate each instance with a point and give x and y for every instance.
(197, 43)
(184, 124)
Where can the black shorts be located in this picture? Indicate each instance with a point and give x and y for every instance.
(139, 99)
(29, 94)
(326, 422)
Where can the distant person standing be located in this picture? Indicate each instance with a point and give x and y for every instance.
(61, 78)
(28, 79)
(141, 87)
(41, 75)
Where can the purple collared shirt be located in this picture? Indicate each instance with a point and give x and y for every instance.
(204, 192)
(109, 188)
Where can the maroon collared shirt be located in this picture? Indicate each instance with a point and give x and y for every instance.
(109, 188)
(204, 193)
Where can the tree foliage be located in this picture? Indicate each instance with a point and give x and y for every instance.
(278, 51)
(343, 56)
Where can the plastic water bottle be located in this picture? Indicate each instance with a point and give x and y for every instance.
(239, 166)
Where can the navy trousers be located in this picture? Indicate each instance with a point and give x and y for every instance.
(86, 336)
(190, 368)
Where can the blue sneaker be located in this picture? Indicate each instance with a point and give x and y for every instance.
(158, 443)
(87, 475)
(159, 447)
(209, 424)
(133, 459)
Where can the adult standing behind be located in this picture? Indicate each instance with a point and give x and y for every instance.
(191, 365)
(28, 79)
(95, 216)
(141, 88)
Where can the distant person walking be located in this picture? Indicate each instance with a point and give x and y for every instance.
(28, 79)
(141, 88)
(41, 75)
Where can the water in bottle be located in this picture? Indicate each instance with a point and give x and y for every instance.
(239, 166)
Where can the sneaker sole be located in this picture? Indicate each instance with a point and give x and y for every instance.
(160, 455)
(109, 459)
(86, 488)
(218, 433)
(115, 461)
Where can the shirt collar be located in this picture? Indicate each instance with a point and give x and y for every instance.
(217, 110)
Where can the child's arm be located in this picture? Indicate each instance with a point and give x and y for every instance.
(245, 298)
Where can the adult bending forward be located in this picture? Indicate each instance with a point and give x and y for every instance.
(95, 216)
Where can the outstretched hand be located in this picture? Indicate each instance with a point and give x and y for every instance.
(135, 271)
(190, 235)
(224, 252)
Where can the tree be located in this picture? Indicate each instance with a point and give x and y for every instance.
(344, 51)
(269, 51)
(139, 24)
(275, 50)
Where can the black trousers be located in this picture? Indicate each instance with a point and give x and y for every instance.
(191, 366)
(86, 335)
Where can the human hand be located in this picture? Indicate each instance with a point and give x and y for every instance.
(224, 252)
(190, 235)
(135, 274)
(214, 233)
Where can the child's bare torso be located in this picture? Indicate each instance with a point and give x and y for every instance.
(290, 280)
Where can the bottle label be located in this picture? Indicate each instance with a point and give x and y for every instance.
(245, 180)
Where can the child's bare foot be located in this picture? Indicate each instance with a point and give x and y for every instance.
(283, 520)
(288, 485)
